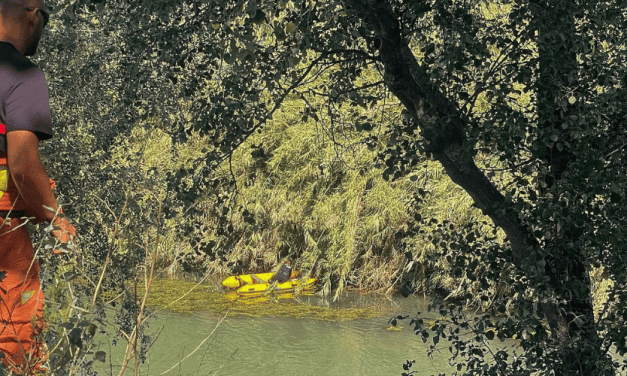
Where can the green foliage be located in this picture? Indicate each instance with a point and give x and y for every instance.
(535, 91)
(304, 196)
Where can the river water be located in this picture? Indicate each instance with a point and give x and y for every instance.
(195, 344)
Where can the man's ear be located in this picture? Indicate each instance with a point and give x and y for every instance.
(33, 19)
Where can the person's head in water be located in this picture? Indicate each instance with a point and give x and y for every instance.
(22, 23)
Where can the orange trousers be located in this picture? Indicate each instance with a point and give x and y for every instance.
(21, 300)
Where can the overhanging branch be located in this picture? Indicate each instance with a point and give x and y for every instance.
(440, 121)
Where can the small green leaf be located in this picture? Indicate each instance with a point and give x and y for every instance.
(101, 356)
(251, 8)
(290, 28)
(259, 18)
(75, 337)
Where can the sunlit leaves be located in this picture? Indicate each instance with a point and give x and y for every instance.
(535, 92)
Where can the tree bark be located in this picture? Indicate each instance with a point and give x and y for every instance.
(557, 72)
(440, 122)
(443, 127)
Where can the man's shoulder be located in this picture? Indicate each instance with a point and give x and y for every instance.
(24, 102)
(17, 70)
(12, 61)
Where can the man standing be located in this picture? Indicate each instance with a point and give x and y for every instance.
(25, 189)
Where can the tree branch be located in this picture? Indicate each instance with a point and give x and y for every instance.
(441, 122)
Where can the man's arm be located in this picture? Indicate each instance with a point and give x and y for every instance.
(33, 183)
(29, 174)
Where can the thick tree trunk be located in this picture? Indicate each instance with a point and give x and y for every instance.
(440, 122)
(442, 125)
(574, 328)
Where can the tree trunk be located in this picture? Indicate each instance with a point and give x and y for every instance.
(442, 125)
(574, 326)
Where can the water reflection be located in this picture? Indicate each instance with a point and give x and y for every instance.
(273, 346)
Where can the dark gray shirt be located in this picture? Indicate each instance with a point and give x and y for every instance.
(24, 100)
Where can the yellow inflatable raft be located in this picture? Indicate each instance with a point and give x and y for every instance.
(289, 286)
(237, 281)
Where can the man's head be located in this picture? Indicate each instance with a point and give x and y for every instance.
(22, 23)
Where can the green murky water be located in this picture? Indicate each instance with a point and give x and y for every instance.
(302, 336)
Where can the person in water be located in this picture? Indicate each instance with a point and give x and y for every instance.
(283, 275)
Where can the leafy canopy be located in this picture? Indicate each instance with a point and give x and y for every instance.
(535, 89)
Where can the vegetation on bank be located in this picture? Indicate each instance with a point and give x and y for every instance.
(325, 206)
(177, 120)
(302, 196)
